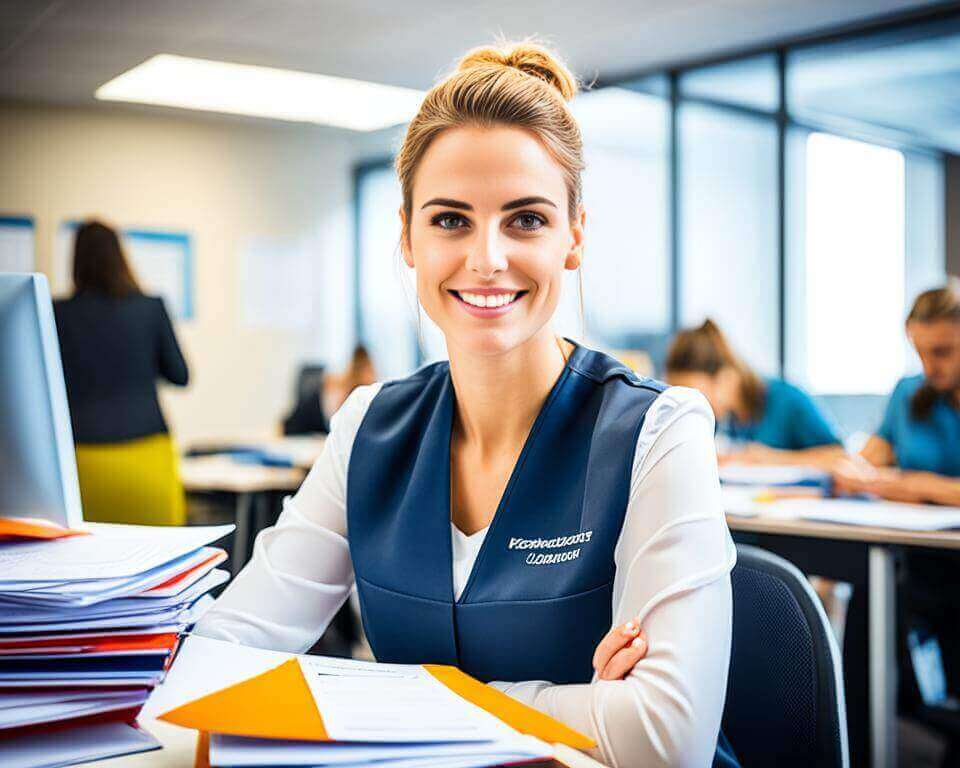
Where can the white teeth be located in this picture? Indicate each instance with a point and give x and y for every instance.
(495, 300)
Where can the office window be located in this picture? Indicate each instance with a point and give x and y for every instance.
(398, 333)
(728, 229)
(626, 266)
(854, 276)
(386, 290)
(751, 82)
(898, 84)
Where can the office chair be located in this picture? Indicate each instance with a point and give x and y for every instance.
(307, 416)
(785, 704)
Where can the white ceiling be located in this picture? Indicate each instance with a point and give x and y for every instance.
(60, 51)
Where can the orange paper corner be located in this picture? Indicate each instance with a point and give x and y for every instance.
(517, 715)
(276, 704)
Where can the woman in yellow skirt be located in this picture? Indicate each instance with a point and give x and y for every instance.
(116, 342)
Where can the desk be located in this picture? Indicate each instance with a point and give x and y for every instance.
(302, 450)
(180, 746)
(247, 482)
(862, 555)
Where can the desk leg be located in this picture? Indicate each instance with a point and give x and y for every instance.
(883, 658)
(241, 536)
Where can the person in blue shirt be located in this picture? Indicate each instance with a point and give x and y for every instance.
(915, 457)
(915, 454)
(759, 420)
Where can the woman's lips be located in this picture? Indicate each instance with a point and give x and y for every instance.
(491, 311)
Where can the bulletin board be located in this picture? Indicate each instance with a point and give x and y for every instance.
(161, 261)
(17, 244)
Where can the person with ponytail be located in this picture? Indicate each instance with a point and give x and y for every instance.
(915, 454)
(761, 420)
(531, 510)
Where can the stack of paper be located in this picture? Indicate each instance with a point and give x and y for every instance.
(265, 708)
(89, 624)
(880, 514)
(773, 476)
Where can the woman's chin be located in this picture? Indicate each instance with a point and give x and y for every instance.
(486, 342)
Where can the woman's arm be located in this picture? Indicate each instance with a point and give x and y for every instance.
(865, 472)
(673, 563)
(934, 488)
(878, 452)
(300, 573)
(911, 487)
(170, 360)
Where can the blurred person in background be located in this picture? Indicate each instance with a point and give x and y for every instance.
(316, 404)
(116, 342)
(915, 454)
(915, 457)
(759, 420)
(359, 372)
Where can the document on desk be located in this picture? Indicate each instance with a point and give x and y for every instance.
(771, 475)
(70, 746)
(221, 688)
(404, 703)
(242, 752)
(112, 551)
(880, 514)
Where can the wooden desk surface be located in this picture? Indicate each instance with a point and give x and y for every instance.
(302, 450)
(179, 748)
(810, 528)
(221, 473)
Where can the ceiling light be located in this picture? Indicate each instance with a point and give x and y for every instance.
(282, 94)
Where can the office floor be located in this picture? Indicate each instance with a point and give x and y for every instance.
(919, 746)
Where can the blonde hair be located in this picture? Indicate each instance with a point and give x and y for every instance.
(522, 85)
(937, 304)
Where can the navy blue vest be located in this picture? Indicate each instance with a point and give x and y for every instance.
(545, 568)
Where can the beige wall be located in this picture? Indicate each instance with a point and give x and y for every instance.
(222, 182)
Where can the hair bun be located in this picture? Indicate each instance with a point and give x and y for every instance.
(529, 57)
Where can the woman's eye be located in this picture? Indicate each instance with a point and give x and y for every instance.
(529, 221)
(449, 221)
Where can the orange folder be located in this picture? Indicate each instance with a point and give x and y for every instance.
(278, 704)
(34, 528)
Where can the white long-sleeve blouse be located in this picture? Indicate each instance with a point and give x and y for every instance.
(673, 561)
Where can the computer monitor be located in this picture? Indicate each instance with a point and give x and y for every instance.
(38, 467)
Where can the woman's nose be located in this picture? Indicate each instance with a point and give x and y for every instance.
(487, 254)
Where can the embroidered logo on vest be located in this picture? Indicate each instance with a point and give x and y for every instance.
(559, 542)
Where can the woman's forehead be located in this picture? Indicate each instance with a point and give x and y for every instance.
(488, 164)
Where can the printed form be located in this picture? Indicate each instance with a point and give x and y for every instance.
(365, 701)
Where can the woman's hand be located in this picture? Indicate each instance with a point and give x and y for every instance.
(620, 649)
(853, 475)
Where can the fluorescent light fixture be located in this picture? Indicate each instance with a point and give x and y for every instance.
(281, 94)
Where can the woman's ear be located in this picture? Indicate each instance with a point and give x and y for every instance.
(405, 238)
(575, 255)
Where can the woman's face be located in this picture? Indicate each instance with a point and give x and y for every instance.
(719, 388)
(490, 237)
(938, 345)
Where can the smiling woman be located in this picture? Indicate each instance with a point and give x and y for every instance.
(489, 223)
(531, 510)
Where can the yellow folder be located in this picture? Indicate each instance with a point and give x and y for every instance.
(278, 704)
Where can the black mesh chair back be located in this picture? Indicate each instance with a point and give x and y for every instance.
(785, 704)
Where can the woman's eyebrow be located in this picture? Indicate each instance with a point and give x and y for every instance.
(446, 202)
(526, 201)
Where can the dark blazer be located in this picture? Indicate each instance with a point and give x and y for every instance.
(113, 351)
